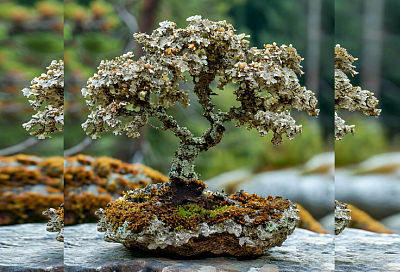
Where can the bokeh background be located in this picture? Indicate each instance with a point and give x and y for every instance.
(368, 163)
(31, 36)
(32, 33)
(97, 30)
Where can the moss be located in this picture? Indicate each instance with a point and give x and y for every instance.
(190, 210)
(211, 209)
(110, 176)
(219, 209)
(20, 202)
(142, 197)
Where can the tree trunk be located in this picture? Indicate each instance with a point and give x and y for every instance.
(183, 162)
(372, 50)
(314, 42)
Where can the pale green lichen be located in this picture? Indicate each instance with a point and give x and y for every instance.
(47, 89)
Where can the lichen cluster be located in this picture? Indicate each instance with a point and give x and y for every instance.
(29, 185)
(342, 217)
(91, 183)
(347, 96)
(48, 89)
(125, 93)
(56, 222)
(174, 216)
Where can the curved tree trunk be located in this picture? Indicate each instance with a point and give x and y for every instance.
(182, 165)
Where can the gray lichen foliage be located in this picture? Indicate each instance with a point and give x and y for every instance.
(48, 89)
(342, 218)
(55, 224)
(348, 97)
(124, 93)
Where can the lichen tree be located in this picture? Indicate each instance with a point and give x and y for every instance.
(48, 89)
(124, 93)
(347, 96)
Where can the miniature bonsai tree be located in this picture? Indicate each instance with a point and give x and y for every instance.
(124, 93)
(47, 89)
(180, 215)
(347, 96)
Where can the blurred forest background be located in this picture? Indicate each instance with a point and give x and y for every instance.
(31, 36)
(99, 30)
(370, 31)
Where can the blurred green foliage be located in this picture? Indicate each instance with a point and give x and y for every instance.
(90, 38)
(369, 140)
(350, 28)
(31, 36)
(32, 33)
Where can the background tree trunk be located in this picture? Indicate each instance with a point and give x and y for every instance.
(313, 45)
(372, 46)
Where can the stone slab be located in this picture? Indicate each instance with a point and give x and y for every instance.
(360, 250)
(29, 247)
(302, 251)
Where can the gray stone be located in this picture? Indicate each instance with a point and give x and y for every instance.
(29, 247)
(382, 163)
(85, 250)
(392, 222)
(360, 250)
(321, 163)
(376, 194)
(328, 222)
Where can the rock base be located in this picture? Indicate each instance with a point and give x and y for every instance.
(184, 218)
(85, 250)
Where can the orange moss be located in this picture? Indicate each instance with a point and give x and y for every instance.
(21, 170)
(60, 212)
(18, 175)
(53, 166)
(111, 177)
(186, 212)
(81, 207)
(153, 174)
(26, 207)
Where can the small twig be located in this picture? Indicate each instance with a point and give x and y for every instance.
(129, 20)
(19, 147)
(78, 148)
(158, 128)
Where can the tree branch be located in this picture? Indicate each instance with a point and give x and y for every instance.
(19, 147)
(78, 148)
(170, 123)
